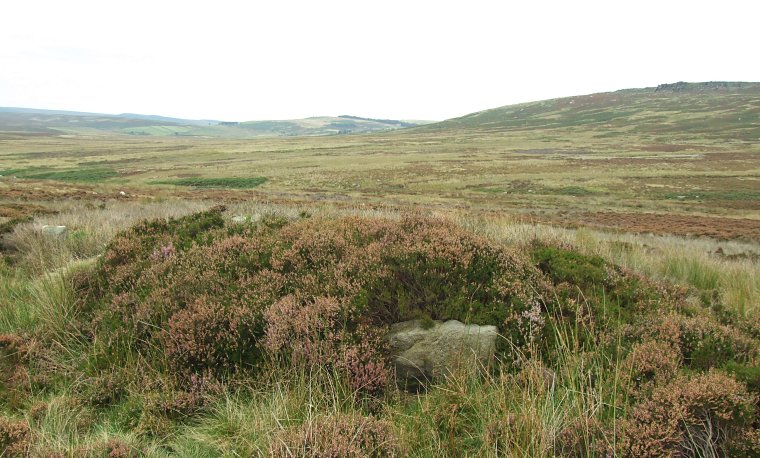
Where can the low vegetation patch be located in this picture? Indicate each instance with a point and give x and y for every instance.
(82, 175)
(530, 187)
(219, 299)
(231, 183)
(267, 337)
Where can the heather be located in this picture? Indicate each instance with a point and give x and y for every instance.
(218, 299)
(197, 335)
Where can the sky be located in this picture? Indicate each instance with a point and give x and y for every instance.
(255, 60)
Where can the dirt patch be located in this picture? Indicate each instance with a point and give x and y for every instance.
(719, 228)
(17, 210)
(669, 148)
(35, 191)
(45, 191)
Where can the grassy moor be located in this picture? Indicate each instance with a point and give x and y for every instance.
(199, 289)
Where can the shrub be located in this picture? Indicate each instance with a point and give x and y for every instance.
(748, 374)
(704, 415)
(703, 342)
(15, 437)
(566, 265)
(338, 435)
(650, 363)
(311, 333)
(199, 296)
(613, 295)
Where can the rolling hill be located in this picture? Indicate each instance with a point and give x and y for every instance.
(28, 120)
(712, 109)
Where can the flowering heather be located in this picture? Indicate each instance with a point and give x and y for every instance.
(15, 438)
(199, 337)
(314, 291)
(704, 415)
(703, 341)
(650, 363)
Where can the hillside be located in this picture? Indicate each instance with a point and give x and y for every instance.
(27, 120)
(714, 109)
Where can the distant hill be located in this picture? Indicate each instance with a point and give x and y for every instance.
(30, 120)
(324, 126)
(729, 110)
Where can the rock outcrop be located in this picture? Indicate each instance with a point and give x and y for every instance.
(423, 352)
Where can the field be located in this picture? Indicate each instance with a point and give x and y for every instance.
(630, 222)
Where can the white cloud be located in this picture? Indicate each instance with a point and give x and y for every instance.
(414, 59)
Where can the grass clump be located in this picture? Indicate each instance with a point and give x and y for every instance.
(230, 183)
(337, 435)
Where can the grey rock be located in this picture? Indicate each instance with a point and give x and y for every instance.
(421, 354)
(56, 231)
(238, 219)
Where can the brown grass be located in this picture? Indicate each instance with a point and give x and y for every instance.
(650, 223)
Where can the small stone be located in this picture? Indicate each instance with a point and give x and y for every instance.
(56, 231)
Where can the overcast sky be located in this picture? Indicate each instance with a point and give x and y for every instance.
(247, 60)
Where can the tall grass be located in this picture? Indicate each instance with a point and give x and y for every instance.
(90, 228)
(687, 261)
(29, 302)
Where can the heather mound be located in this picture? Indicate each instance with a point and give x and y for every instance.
(197, 296)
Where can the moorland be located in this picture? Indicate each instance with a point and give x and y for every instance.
(612, 239)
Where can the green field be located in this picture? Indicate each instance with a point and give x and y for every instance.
(217, 296)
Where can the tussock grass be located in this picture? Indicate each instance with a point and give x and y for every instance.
(90, 228)
(689, 261)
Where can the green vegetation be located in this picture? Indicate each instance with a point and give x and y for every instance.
(76, 175)
(231, 182)
(646, 111)
(195, 336)
(80, 175)
(555, 171)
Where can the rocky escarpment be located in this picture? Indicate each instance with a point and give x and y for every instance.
(683, 86)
